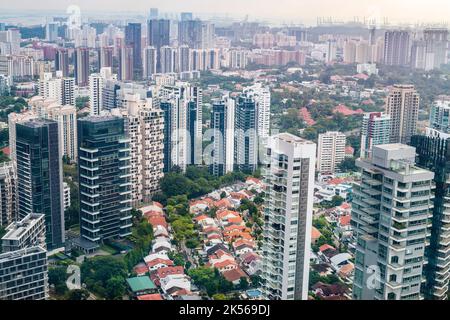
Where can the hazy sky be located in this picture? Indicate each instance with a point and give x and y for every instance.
(395, 10)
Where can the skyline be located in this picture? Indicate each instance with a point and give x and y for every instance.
(398, 11)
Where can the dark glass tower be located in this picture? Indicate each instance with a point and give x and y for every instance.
(82, 67)
(218, 124)
(433, 153)
(158, 36)
(133, 38)
(246, 137)
(39, 176)
(104, 177)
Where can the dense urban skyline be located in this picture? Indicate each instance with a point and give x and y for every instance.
(433, 11)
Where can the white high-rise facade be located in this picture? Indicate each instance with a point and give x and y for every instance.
(59, 88)
(95, 94)
(66, 116)
(376, 130)
(97, 83)
(289, 177)
(402, 105)
(261, 94)
(330, 152)
(144, 125)
(391, 213)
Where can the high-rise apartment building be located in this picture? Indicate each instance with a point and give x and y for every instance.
(289, 178)
(436, 40)
(330, 151)
(144, 125)
(126, 63)
(66, 116)
(104, 178)
(397, 48)
(440, 115)
(23, 264)
(62, 61)
(261, 94)
(133, 39)
(82, 67)
(376, 130)
(13, 119)
(149, 62)
(246, 134)
(8, 199)
(51, 31)
(222, 123)
(106, 57)
(60, 88)
(25, 233)
(391, 212)
(95, 93)
(168, 59)
(433, 153)
(402, 105)
(158, 35)
(39, 176)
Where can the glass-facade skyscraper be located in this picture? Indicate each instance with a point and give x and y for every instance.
(104, 177)
(39, 176)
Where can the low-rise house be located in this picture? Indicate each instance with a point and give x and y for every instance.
(234, 275)
(160, 231)
(346, 271)
(339, 260)
(156, 264)
(150, 297)
(141, 286)
(220, 246)
(243, 246)
(156, 221)
(315, 235)
(161, 245)
(164, 272)
(175, 282)
(141, 269)
(323, 290)
(326, 252)
(223, 204)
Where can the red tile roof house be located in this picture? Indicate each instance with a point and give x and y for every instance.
(158, 263)
(344, 223)
(149, 297)
(157, 275)
(243, 246)
(223, 204)
(235, 275)
(327, 251)
(315, 235)
(224, 215)
(226, 265)
(141, 269)
(156, 221)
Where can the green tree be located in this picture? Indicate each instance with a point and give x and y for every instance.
(115, 288)
(348, 165)
(243, 283)
(77, 294)
(57, 277)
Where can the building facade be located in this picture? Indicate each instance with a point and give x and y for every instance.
(104, 178)
(391, 210)
(39, 176)
(330, 151)
(402, 105)
(289, 177)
